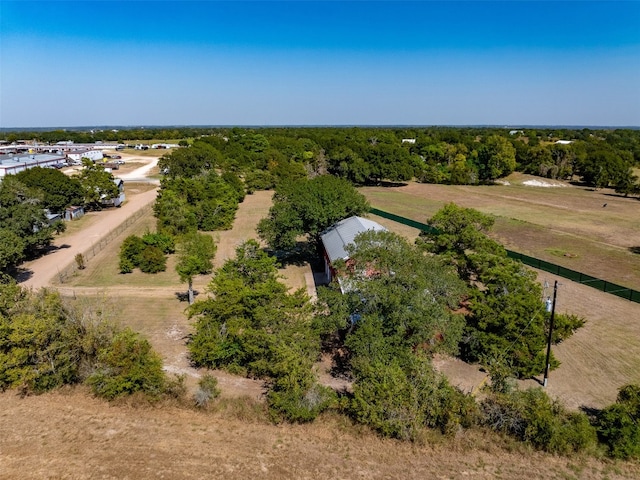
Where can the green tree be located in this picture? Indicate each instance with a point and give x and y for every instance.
(252, 325)
(97, 184)
(12, 249)
(507, 319)
(59, 190)
(24, 228)
(457, 231)
(308, 208)
(195, 251)
(496, 157)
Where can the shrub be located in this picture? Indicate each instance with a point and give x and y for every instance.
(207, 390)
(146, 253)
(126, 366)
(130, 251)
(532, 417)
(80, 261)
(294, 401)
(618, 425)
(401, 398)
(152, 260)
(163, 241)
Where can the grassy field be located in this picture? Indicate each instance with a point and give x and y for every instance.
(569, 226)
(69, 434)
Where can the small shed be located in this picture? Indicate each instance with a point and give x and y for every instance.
(73, 213)
(53, 217)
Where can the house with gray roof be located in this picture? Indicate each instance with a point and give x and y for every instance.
(336, 238)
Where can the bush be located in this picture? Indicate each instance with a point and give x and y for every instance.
(400, 399)
(130, 251)
(146, 253)
(295, 402)
(619, 424)
(163, 241)
(532, 417)
(126, 366)
(152, 260)
(207, 390)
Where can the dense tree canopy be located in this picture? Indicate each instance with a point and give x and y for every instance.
(60, 191)
(251, 324)
(508, 321)
(308, 207)
(24, 228)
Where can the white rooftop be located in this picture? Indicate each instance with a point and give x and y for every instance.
(343, 233)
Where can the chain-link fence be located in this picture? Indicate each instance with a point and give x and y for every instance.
(93, 250)
(597, 283)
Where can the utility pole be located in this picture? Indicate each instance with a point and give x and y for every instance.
(553, 313)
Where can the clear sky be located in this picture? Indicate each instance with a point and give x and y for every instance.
(319, 63)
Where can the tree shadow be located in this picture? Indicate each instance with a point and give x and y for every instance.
(21, 275)
(590, 412)
(389, 184)
(303, 253)
(184, 296)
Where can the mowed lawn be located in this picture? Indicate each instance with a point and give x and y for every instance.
(547, 223)
(569, 226)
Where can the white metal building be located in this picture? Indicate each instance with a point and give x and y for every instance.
(12, 164)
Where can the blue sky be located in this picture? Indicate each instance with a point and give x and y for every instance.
(319, 63)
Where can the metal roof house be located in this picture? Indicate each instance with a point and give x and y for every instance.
(336, 238)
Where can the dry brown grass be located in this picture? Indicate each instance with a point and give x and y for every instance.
(68, 434)
(603, 355)
(546, 223)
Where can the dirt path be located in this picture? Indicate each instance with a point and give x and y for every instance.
(39, 272)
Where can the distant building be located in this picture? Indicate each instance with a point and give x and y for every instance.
(564, 142)
(409, 140)
(78, 155)
(12, 164)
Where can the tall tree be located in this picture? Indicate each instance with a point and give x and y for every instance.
(308, 208)
(97, 184)
(23, 224)
(195, 251)
(60, 191)
(496, 157)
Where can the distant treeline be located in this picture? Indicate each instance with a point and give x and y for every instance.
(365, 155)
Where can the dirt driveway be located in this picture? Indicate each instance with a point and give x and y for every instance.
(38, 273)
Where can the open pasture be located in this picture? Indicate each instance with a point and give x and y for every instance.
(570, 225)
(547, 223)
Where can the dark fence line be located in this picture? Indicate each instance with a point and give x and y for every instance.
(67, 272)
(597, 283)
